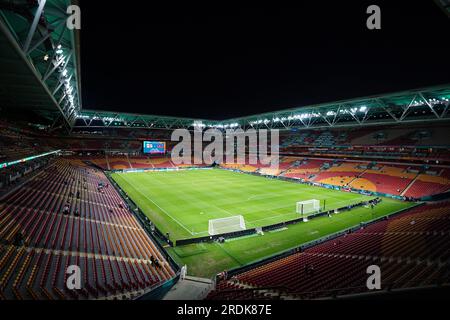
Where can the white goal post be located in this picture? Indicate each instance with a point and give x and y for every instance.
(226, 225)
(308, 206)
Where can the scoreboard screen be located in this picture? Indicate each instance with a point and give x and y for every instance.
(154, 147)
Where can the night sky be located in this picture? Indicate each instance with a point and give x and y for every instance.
(222, 61)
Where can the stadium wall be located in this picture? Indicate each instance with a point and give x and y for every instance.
(437, 197)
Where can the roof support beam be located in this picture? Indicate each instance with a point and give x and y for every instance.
(37, 17)
(429, 105)
(44, 38)
(405, 112)
(58, 64)
(445, 110)
(58, 43)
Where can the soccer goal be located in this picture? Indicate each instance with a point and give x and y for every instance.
(226, 225)
(308, 206)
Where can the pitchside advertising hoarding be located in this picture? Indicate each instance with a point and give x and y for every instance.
(154, 147)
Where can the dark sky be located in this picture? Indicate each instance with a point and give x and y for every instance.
(221, 61)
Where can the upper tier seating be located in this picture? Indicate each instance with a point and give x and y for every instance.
(15, 145)
(413, 135)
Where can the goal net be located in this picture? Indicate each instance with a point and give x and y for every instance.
(226, 225)
(308, 206)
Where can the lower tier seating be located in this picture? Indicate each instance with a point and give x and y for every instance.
(424, 188)
(68, 214)
(412, 250)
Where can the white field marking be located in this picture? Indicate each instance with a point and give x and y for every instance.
(319, 224)
(272, 195)
(267, 196)
(197, 200)
(201, 232)
(349, 201)
(278, 230)
(202, 203)
(277, 215)
(233, 180)
(207, 204)
(286, 193)
(251, 222)
(163, 210)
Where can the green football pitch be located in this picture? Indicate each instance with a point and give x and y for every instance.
(182, 203)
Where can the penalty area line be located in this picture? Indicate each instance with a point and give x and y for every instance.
(168, 214)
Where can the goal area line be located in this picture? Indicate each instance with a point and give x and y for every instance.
(252, 230)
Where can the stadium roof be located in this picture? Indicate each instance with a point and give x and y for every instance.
(96, 119)
(427, 104)
(407, 106)
(444, 5)
(39, 58)
(40, 70)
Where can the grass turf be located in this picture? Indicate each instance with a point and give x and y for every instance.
(208, 259)
(182, 202)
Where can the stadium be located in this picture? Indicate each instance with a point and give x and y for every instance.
(97, 194)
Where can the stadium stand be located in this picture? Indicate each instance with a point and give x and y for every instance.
(412, 135)
(426, 185)
(388, 179)
(17, 143)
(117, 163)
(140, 162)
(412, 249)
(40, 239)
(305, 168)
(340, 174)
(67, 214)
(61, 206)
(409, 180)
